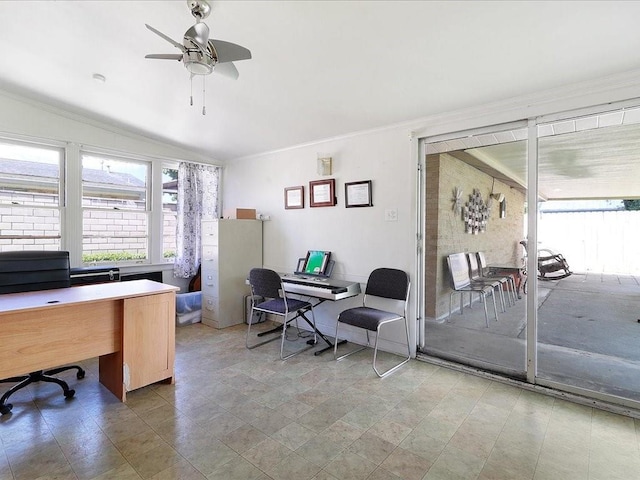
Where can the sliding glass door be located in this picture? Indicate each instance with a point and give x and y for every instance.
(558, 200)
(588, 257)
(475, 204)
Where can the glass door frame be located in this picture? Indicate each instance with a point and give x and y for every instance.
(421, 334)
(532, 260)
(531, 125)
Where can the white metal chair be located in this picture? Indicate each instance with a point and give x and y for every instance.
(476, 277)
(461, 283)
(385, 283)
(482, 264)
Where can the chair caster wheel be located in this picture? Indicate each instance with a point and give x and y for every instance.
(70, 393)
(6, 408)
(80, 375)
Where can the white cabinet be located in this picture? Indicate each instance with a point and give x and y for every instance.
(230, 248)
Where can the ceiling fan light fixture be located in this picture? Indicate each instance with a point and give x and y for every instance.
(197, 63)
(199, 68)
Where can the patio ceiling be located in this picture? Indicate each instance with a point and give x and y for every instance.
(596, 157)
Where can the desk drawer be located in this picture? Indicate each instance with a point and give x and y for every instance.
(210, 283)
(210, 228)
(210, 253)
(65, 334)
(210, 306)
(211, 311)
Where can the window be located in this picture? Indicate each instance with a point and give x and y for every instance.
(169, 211)
(115, 213)
(101, 207)
(30, 196)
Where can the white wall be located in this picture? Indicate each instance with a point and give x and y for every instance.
(22, 117)
(359, 238)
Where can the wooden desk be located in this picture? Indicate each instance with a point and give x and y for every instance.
(129, 325)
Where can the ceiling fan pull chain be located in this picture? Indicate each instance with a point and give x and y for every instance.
(204, 107)
(191, 79)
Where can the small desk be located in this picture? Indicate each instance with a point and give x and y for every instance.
(129, 325)
(517, 271)
(321, 289)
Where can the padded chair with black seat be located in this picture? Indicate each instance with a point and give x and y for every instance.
(384, 283)
(461, 283)
(26, 272)
(268, 297)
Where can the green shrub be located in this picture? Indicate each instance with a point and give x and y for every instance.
(631, 204)
(112, 257)
(119, 256)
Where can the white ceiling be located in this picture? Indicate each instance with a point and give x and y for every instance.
(589, 157)
(319, 68)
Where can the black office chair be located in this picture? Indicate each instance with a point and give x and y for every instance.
(268, 297)
(31, 271)
(385, 283)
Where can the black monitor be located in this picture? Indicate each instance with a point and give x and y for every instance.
(316, 262)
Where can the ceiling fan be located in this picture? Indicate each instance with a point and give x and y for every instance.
(202, 55)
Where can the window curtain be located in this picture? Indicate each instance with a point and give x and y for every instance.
(197, 201)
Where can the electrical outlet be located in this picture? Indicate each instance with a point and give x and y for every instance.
(391, 215)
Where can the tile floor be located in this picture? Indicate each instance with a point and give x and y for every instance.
(240, 414)
(587, 332)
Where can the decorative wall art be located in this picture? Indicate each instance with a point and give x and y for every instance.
(500, 198)
(457, 200)
(358, 194)
(475, 214)
(322, 193)
(294, 197)
(324, 164)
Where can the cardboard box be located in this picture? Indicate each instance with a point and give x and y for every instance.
(239, 213)
(246, 213)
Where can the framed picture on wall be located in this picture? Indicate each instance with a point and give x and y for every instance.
(322, 193)
(294, 197)
(358, 194)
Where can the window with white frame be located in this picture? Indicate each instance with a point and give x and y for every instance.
(31, 196)
(115, 209)
(169, 210)
(107, 213)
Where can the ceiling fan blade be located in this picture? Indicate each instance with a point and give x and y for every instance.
(162, 35)
(227, 69)
(229, 52)
(199, 34)
(165, 56)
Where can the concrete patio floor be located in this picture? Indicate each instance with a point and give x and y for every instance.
(588, 335)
